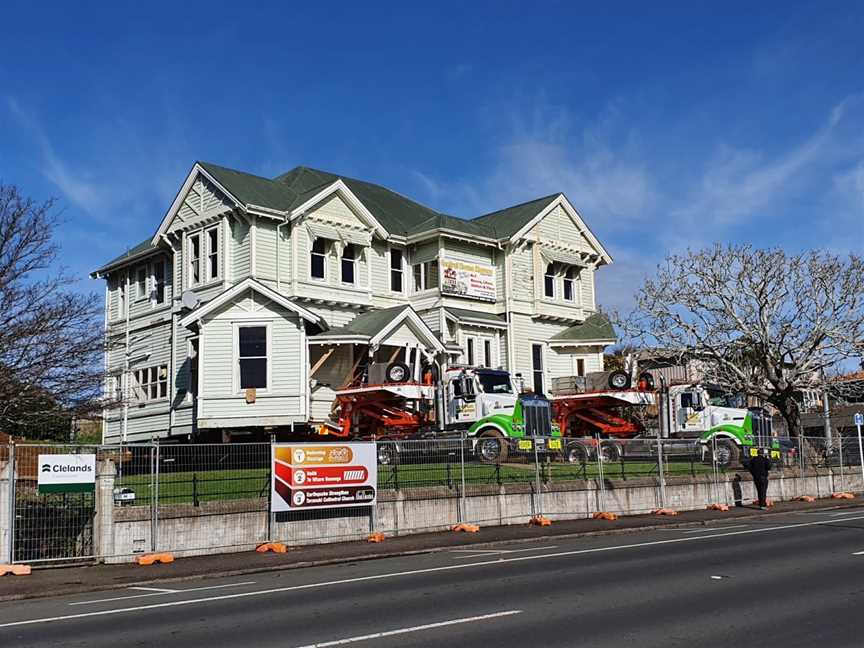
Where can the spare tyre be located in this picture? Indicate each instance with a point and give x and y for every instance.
(619, 380)
(397, 372)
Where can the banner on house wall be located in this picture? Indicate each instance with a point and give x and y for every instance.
(67, 473)
(472, 280)
(323, 475)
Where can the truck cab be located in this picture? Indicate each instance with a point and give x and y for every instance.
(473, 394)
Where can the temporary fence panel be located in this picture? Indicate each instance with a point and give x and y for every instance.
(53, 508)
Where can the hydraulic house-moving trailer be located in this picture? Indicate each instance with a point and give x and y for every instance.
(483, 406)
(679, 414)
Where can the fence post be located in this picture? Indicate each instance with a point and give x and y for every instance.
(463, 503)
(104, 519)
(660, 471)
(538, 508)
(602, 494)
(801, 458)
(842, 480)
(7, 507)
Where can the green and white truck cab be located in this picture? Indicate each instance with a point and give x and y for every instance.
(500, 420)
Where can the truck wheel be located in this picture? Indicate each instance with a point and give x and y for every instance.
(491, 448)
(610, 452)
(728, 453)
(576, 454)
(387, 454)
(397, 372)
(619, 380)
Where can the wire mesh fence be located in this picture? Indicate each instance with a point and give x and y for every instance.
(190, 498)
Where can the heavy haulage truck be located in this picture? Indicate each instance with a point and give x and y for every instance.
(410, 403)
(604, 406)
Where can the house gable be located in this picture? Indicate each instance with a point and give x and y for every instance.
(200, 200)
(559, 226)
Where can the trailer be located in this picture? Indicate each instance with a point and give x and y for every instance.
(686, 417)
(479, 405)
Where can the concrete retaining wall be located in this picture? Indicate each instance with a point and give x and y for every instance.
(222, 527)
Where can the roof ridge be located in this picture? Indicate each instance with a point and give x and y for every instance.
(517, 206)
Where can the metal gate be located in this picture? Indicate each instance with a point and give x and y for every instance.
(55, 526)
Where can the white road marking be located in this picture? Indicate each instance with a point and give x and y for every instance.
(858, 553)
(427, 626)
(428, 570)
(720, 528)
(154, 589)
(474, 553)
(716, 578)
(161, 593)
(858, 511)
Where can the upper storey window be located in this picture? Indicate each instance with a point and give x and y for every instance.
(349, 259)
(318, 259)
(202, 249)
(569, 278)
(549, 281)
(396, 270)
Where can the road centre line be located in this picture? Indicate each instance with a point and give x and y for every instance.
(161, 593)
(427, 626)
(154, 589)
(428, 570)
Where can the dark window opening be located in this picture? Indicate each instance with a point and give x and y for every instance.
(253, 357)
(317, 260)
(348, 264)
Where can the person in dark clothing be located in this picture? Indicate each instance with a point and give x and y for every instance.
(759, 468)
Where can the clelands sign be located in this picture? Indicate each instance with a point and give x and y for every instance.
(67, 473)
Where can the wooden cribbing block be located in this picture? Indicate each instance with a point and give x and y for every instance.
(151, 559)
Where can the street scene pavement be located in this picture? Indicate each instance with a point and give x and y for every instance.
(790, 579)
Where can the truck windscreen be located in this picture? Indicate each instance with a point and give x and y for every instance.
(495, 383)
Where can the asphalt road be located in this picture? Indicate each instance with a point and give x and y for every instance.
(785, 580)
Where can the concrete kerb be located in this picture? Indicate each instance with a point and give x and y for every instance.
(469, 541)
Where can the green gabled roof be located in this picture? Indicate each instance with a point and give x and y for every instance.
(597, 328)
(135, 251)
(366, 325)
(251, 189)
(506, 222)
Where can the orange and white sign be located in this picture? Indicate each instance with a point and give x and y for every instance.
(323, 475)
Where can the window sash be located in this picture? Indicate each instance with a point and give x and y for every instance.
(396, 270)
(213, 253)
(195, 259)
(253, 357)
(469, 351)
(158, 272)
(150, 383)
(141, 282)
(318, 259)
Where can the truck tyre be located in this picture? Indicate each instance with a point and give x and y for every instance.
(575, 454)
(491, 447)
(610, 452)
(397, 372)
(619, 380)
(388, 455)
(728, 453)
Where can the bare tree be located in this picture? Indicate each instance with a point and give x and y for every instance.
(765, 323)
(50, 335)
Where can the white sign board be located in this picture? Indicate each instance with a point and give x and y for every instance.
(472, 280)
(323, 475)
(67, 473)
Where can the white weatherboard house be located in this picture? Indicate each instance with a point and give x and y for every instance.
(256, 298)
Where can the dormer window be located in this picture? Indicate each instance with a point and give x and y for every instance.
(318, 259)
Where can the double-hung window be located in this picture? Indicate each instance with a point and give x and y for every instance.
(158, 282)
(212, 253)
(318, 259)
(425, 275)
(252, 356)
(194, 251)
(121, 296)
(150, 383)
(349, 260)
(469, 350)
(141, 282)
(569, 280)
(395, 270)
(549, 281)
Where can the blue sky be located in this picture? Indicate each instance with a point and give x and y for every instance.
(667, 126)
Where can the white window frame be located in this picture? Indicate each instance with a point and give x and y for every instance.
(154, 302)
(209, 254)
(190, 394)
(470, 350)
(327, 245)
(121, 297)
(141, 292)
(572, 280)
(400, 270)
(424, 276)
(543, 364)
(145, 379)
(554, 282)
(353, 261)
(487, 353)
(236, 355)
(204, 255)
